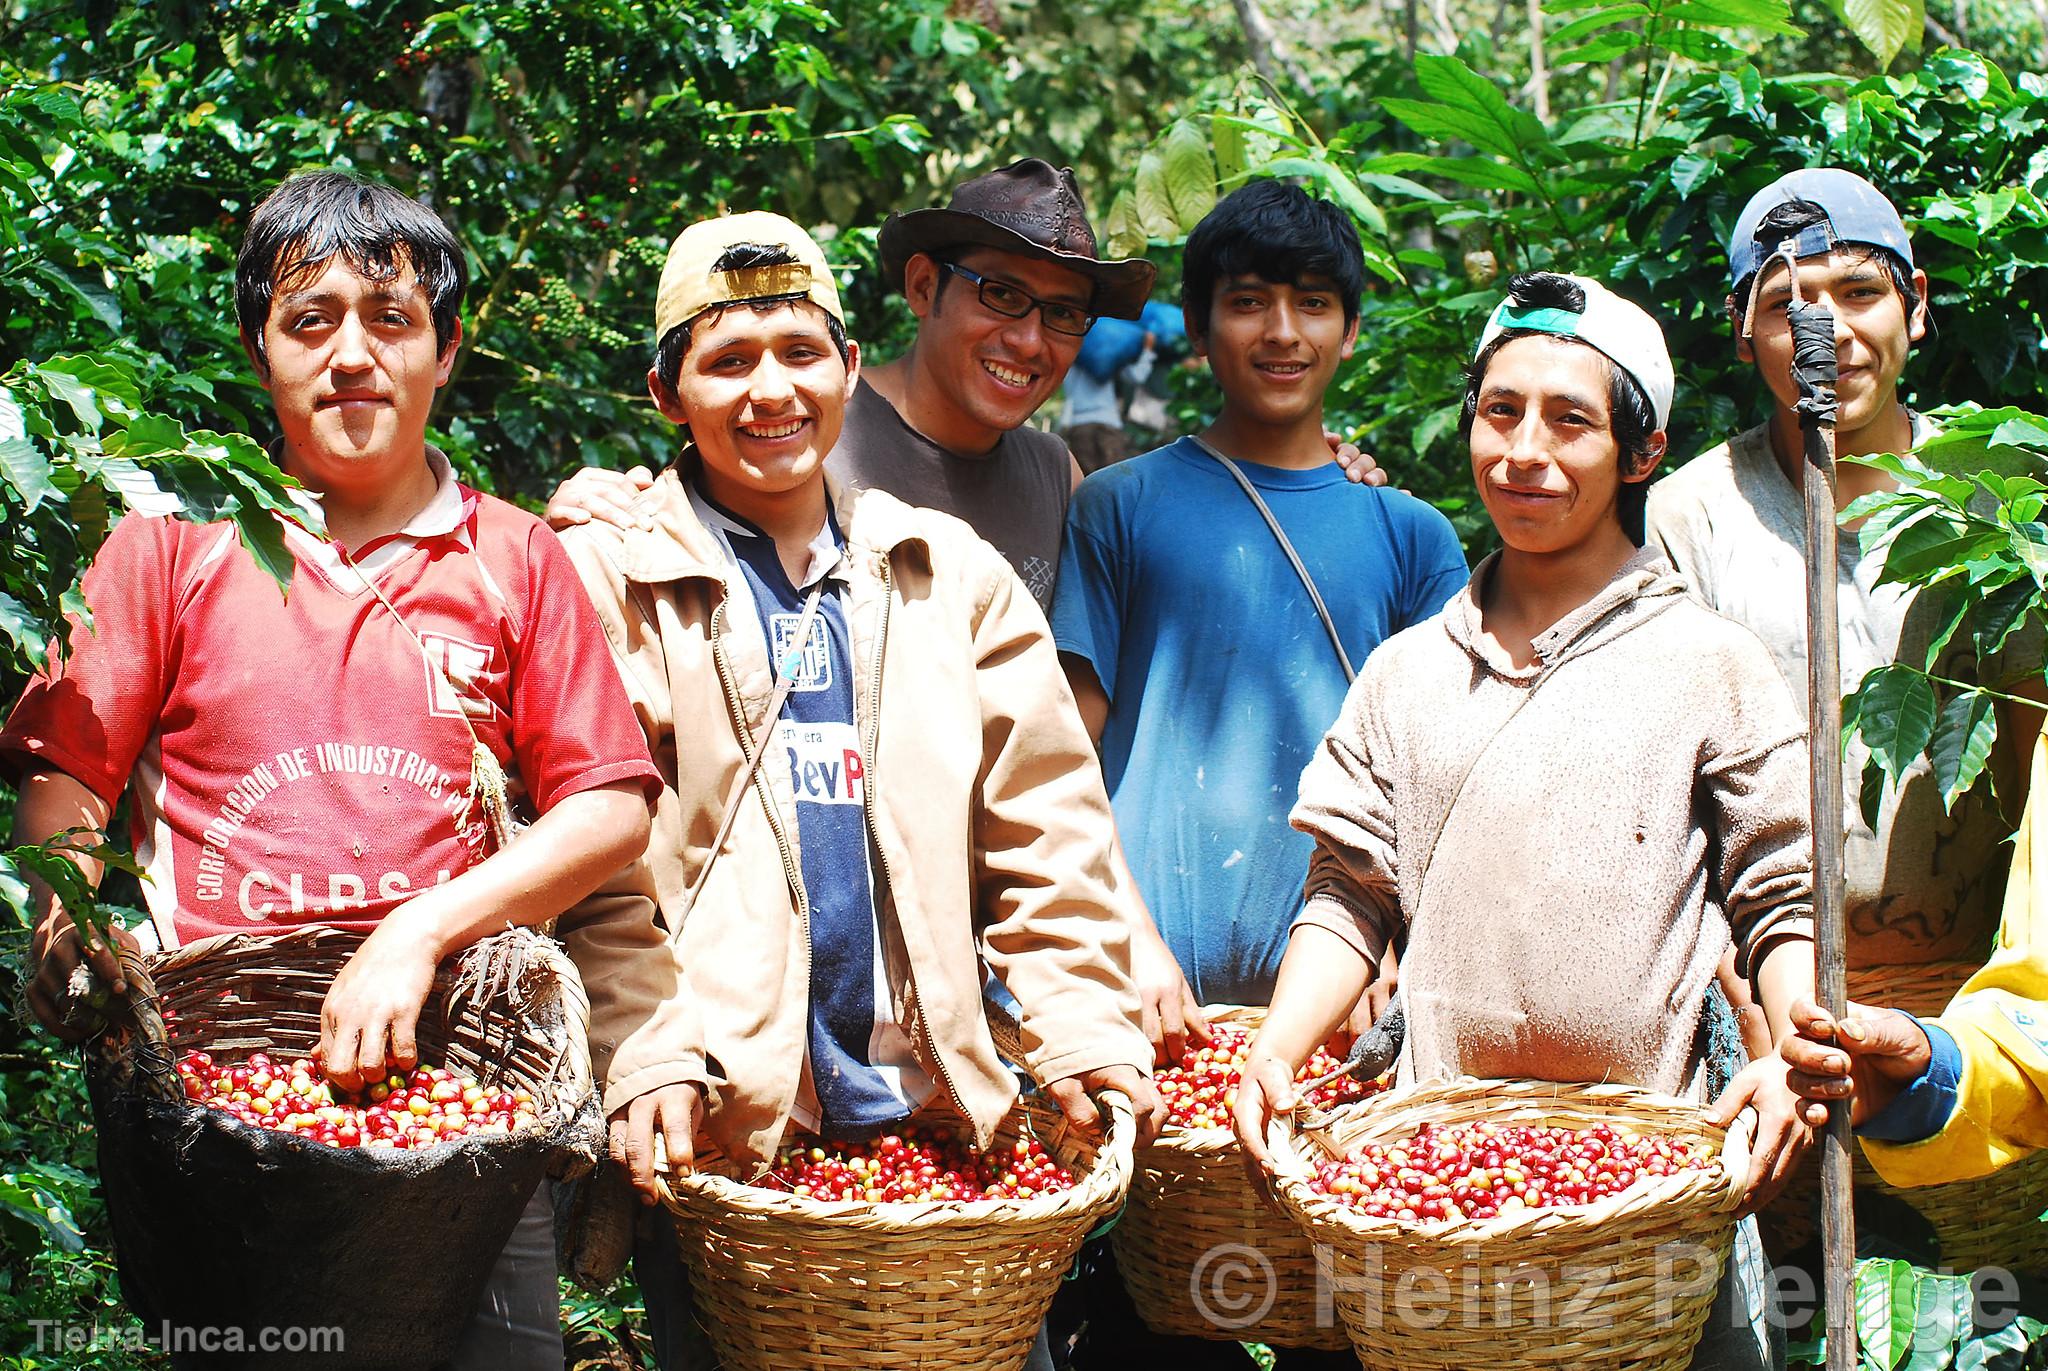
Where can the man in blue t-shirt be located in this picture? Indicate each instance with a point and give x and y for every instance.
(1201, 663)
(1199, 659)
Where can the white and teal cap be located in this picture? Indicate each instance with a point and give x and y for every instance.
(1623, 332)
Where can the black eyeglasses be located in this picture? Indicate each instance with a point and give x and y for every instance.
(1014, 303)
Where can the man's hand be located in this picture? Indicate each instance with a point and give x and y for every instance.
(606, 496)
(1359, 465)
(1071, 1093)
(1867, 1058)
(370, 1019)
(1264, 1091)
(1171, 1013)
(672, 1112)
(59, 949)
(1782, 1134)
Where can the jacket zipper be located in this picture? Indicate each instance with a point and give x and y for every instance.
(881, 853)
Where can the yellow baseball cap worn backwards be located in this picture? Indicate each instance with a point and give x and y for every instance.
(691, 282)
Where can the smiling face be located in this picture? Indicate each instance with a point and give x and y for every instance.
(980, 374)
(1873, 331)
(352, 367)
(1544, 454)
(763, 391)
(1274, 348)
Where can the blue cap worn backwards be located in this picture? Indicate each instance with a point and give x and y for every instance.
(1856, 213)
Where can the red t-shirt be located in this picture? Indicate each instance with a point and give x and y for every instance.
(296, 760)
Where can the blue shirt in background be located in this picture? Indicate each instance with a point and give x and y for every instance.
(1222, 680)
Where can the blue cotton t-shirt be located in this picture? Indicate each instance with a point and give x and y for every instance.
(1221, 679)
(860, 1073)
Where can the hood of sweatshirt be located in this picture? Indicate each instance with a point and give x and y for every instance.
(1642, 588)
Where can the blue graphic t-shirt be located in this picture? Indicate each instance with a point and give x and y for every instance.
(1221, 679)
(860, 1074)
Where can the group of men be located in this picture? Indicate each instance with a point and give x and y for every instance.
(868, 719)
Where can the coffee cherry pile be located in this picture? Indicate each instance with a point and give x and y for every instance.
(428, 1106)
(919, 1164)
(1483, 1170)
(1200, 1092)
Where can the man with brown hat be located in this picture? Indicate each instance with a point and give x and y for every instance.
(1004, 281)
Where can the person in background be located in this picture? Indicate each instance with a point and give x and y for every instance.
(1922, 886)
(1092, 408)
(1964, 1093)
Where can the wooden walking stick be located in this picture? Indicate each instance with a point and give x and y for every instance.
(1813, 367)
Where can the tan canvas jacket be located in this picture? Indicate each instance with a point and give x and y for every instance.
(985, 805)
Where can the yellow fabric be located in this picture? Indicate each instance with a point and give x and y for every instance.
(1999, 1020)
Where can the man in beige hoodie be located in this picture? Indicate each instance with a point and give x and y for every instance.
(1571, 789)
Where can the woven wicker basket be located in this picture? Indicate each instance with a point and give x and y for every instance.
(1204, 1254)
(1625, 1282)
(783, 1282)
(218, 1223)
(1991, 1221)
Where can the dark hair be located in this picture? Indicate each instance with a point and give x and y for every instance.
(668, 353)
(313, 218)
(1630, 418)
(1277, 232)
(1782, 221)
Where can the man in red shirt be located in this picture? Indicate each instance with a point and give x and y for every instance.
(319, 758)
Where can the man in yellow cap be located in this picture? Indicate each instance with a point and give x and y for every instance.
(875, 780)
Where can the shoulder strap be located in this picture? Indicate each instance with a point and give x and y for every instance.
(785, 680)
(1308, 582)
(487, 786)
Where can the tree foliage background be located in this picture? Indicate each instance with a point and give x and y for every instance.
(569, 142)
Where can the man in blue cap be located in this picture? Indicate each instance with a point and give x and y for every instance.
(1922, 888)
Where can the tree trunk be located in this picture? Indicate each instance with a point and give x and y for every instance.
(1266, 53)
(1408, 27)
(1539, 67)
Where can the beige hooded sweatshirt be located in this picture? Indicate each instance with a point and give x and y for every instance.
(1565, 916)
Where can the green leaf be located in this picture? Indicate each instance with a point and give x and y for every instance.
(1567, 34)
(1887, 1306)
(1127, 237)
(1154, 203)
(1687, 171)
(1895, 716)
(1342, 188)
(2000, 612)
(1885, 26)
(1870, 798)
(1600, 49)
(30, 634)
(1944, 1319)
(1956, 604)
(1189, 173)
(41, 1211)
(1964, 733)
(25, 468)
(1226, 139)
(1765, 16)
(1450, 81)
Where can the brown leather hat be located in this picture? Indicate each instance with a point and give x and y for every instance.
(1029, 207)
